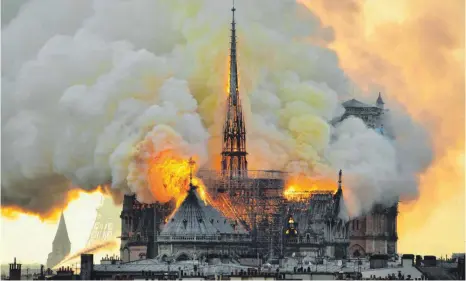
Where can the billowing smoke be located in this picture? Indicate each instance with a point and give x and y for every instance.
(101, 86)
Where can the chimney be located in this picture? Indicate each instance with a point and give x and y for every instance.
(15, 271)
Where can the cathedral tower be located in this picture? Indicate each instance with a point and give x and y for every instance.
(61, 245)
(234, 163)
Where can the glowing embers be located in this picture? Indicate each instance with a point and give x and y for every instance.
(291, 228)
(301, 187)
(169, 176)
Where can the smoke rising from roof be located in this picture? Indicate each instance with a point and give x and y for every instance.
(98, 78)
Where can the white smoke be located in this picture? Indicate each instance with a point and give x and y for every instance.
(99, 84)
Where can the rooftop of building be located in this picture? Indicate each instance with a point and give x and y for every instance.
(356, 103)
(196, 217)
(156, 265)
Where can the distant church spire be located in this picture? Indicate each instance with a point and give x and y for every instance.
(61, 245)
(234, 163)
(62, 232)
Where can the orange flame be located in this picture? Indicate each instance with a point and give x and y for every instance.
(52, 215)
(300, 187)
(169, 178)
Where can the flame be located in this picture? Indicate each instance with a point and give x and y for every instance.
(14, 212)
(169, 176)
(300, 187)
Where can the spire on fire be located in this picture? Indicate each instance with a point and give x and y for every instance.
(234, 163)
(191, 166)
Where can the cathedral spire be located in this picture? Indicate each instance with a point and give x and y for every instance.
(234, 163)
(62, 233)
(233, 91)
(191, 166)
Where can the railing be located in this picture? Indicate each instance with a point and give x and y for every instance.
(138, 239)
(251, 174)
(200, 238)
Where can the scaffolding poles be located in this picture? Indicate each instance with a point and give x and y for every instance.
(256, 201)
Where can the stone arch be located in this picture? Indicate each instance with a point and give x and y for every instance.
(357, 251)
(182, 256)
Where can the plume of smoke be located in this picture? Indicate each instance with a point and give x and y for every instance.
(110, 245)
(129, 77)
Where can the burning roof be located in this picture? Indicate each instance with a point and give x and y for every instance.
(195, 217)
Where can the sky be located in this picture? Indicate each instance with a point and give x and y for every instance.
(405, 47)
(24, 232)
(415, 50)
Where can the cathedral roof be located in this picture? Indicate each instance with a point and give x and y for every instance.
(355, 103)
(194, 217)
(323, 205)
(62, 233)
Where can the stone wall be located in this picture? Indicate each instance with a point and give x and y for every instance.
(376, 232)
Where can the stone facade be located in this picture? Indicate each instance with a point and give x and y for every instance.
(372, 115)
(375, 232)
(316, 231)
(138, 232)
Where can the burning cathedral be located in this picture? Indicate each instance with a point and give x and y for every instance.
(248, 214)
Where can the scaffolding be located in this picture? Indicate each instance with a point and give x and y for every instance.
(256, 201)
